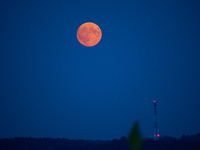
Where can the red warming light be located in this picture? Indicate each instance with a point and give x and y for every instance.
(158, 135)
(154, 101)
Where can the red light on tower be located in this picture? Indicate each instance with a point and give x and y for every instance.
(154, 101)
(158, 135)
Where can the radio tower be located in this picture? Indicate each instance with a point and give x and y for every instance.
(156, 135)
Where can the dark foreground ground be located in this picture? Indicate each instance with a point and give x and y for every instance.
(164, 143)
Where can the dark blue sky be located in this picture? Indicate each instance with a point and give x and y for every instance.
(52, 86)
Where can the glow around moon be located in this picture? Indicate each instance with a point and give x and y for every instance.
(89, 34)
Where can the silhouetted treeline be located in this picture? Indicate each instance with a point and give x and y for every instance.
(164, 143)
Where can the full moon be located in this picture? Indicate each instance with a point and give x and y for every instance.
(89, 34)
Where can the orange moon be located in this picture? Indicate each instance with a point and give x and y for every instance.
(89, 34)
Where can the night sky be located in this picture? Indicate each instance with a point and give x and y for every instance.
(52, 86)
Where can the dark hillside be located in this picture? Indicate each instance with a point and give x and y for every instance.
(164, 143)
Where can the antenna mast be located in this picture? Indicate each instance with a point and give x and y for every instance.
(156, 135)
